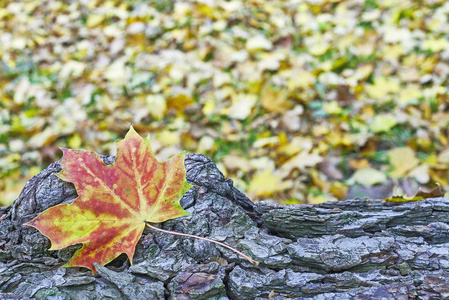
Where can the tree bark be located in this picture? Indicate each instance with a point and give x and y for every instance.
(352, 249)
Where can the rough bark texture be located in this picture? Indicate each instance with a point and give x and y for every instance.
(353, 249)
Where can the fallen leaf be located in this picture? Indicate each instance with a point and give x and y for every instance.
(432, 193)
(403, 160)
(94, 20)
(45, 137)
(266, 183)
(301, 79)
(117, 73)
(75, 141)
(409, 95)
(233, 163)
(262, 142)
(114, 202)
(168, 138)
(317, 199)
(291, 120)
(367, 177)
(421, 195)
(301, 161)
(179, 102)
(443, 157)
(435, 45)
(275, 101)
(421, 173)
(383, 123)
(329, 167)
(242, 106)
(332, 108)
(382, 87)
(206, 143)
(209, 107)
(156, 105)
(257, 43)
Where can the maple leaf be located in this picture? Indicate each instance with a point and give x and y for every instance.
(115, 202)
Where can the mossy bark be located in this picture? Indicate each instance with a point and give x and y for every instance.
(352, 249)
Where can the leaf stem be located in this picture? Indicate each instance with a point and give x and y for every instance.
(206, 239)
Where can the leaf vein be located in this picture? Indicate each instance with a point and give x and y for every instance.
(116, 197)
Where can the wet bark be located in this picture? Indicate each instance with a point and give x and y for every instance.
(352, 249)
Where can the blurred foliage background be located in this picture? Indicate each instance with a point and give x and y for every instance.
(297, 101)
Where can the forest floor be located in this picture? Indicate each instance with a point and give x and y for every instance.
(296, 101)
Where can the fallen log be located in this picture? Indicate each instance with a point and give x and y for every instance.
(352, 249)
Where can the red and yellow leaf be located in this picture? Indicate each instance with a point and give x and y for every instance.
(114, 201)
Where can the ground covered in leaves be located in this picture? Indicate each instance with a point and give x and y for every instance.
(296, 101)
